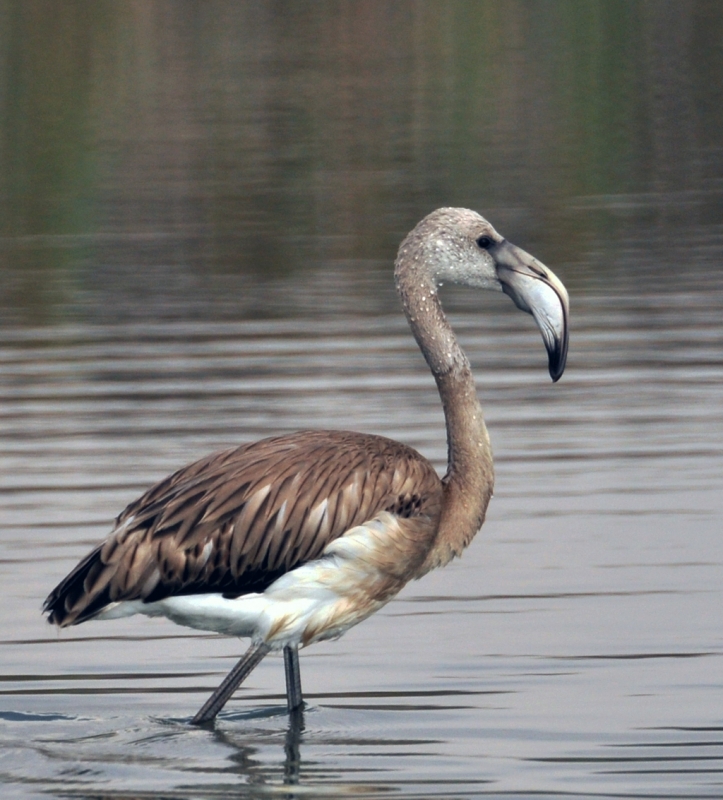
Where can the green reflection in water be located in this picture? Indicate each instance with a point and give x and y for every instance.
(46, 165)
(262, 139)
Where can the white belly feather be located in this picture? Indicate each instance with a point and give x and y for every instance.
(321, 599)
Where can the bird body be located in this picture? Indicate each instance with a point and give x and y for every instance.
(287, 540)
(237, 522)
(294, 539)
(356, 575)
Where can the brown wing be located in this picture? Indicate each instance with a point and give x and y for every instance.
(235, 521)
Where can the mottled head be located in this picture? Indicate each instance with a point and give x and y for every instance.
(457, 245)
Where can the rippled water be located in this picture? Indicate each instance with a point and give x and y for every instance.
(199, 207)
(576, 648)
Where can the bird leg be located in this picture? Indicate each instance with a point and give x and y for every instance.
(292, 746)
(250, 659)
(294, 698)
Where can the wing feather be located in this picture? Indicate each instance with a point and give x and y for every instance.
(235, 521)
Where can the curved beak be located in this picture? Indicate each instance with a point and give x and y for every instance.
(538, 291)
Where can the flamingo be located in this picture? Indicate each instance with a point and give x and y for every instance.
(294, 539)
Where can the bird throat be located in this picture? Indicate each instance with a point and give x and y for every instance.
(469, 480)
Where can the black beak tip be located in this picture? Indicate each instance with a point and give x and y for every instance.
(557, 358)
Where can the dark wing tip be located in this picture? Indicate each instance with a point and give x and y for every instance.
(54, 607)
(70, 603)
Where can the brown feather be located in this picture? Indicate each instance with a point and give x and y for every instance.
(262, 509)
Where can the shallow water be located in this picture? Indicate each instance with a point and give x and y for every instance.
(575, 649)
(199, 208)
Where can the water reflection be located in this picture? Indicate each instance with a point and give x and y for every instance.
(582, 623)
(201, 150)
(199, 207)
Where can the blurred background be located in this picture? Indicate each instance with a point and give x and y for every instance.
(200, 204)
(187, 159)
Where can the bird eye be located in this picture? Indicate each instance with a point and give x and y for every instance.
(484, 242)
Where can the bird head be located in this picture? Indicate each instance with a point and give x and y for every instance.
(459, 246)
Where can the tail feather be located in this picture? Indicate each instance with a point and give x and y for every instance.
(71, 602)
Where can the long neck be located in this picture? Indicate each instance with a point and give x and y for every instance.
(469, 480)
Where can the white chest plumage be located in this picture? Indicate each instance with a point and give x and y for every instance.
(319, 600)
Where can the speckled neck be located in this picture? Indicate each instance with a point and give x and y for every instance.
(470, 473)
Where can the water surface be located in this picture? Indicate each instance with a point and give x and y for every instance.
(575, 648)
(200, 204)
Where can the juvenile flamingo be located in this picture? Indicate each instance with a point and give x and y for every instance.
(294, 539)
